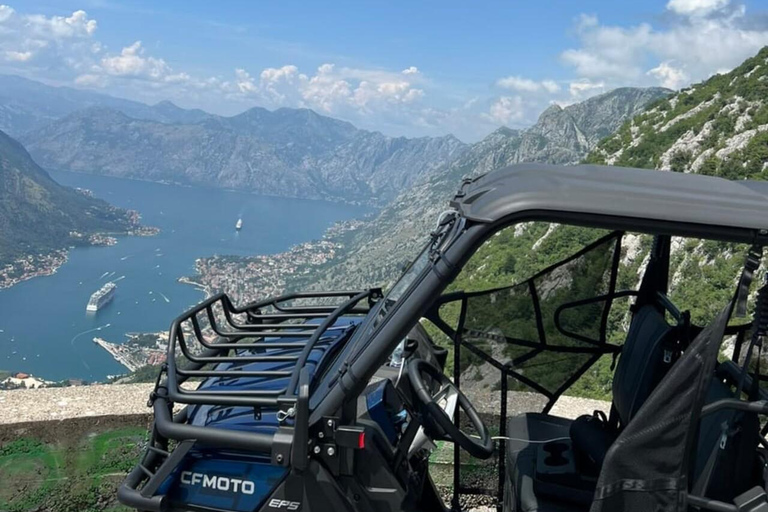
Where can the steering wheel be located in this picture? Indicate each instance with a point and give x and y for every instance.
(440, 406)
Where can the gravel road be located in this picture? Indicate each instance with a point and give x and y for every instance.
(24, 405)
(20, 406)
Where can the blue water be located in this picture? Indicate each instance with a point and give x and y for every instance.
(46, 330)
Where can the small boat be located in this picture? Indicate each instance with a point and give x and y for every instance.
(239, 224)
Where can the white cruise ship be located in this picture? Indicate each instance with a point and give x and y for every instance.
(101, 296)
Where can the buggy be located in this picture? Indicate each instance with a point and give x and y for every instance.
(335, 401)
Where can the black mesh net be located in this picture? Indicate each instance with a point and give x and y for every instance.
(545, 331)
(521, 346)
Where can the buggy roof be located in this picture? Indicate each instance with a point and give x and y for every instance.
(640, 194)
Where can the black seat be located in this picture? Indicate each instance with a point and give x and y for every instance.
(531, 486)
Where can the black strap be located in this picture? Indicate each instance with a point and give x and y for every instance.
(759, 331)
(655, 279)
(700, 487)
(742, 291)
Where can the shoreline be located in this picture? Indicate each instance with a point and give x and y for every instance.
(190, 281)
(233, 190)
(37, 271)
(46, 265)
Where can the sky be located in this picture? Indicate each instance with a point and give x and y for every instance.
(400, 67)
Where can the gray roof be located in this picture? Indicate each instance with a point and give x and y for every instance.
(615, 191)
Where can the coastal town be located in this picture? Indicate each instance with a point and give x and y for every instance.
(252, 278)
(33, 265)
(136, 353)
(245, 279)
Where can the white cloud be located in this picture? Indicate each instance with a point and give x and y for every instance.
(18, 56)
(550, 86)
(707, 35)
(585, 87)
(330, 89)
(133, 63)
(696, 7)
(517, 83)
(55, 42)
(60, 27)
(506, 109)
(669, 76)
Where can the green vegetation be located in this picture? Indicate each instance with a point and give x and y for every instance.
(715, 105)
(73, 474)
(30, 198)
(726, 117)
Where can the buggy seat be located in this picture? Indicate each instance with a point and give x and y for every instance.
(553, 462)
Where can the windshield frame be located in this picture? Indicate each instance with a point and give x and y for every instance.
(449, 227)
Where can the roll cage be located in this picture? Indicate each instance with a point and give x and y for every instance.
(654, 203)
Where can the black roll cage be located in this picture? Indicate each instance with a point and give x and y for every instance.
(284, 447)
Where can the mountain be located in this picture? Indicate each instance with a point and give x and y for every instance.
(563, 135)
(718, 127)
(377, 251)
(38, 215)
(286, 152)
(27, 105)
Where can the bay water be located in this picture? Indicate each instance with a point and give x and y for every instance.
(45, 328)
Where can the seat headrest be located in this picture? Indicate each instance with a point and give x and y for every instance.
(637, 371)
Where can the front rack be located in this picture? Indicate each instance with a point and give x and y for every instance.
(252, 334)
(238, 335)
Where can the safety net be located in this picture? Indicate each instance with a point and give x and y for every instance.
(518, 348)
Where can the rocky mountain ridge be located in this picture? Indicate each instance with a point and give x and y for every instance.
(27, 105)
(286, 152)
(377, 251)
(718, 127)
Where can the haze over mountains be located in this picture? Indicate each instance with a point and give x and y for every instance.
(286, 152)
(26, 105)
(296, 153)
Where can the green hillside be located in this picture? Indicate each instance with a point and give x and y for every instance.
(718, 127)
(69, 466)
(38, 215)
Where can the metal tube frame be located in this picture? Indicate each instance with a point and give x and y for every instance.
(158, 461)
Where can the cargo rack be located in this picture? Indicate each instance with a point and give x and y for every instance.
(265, 321)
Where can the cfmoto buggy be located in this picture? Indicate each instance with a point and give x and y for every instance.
(335, 401)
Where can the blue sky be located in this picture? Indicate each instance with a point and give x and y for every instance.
(405, 68)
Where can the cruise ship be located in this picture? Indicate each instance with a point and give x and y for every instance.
(101, 296)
